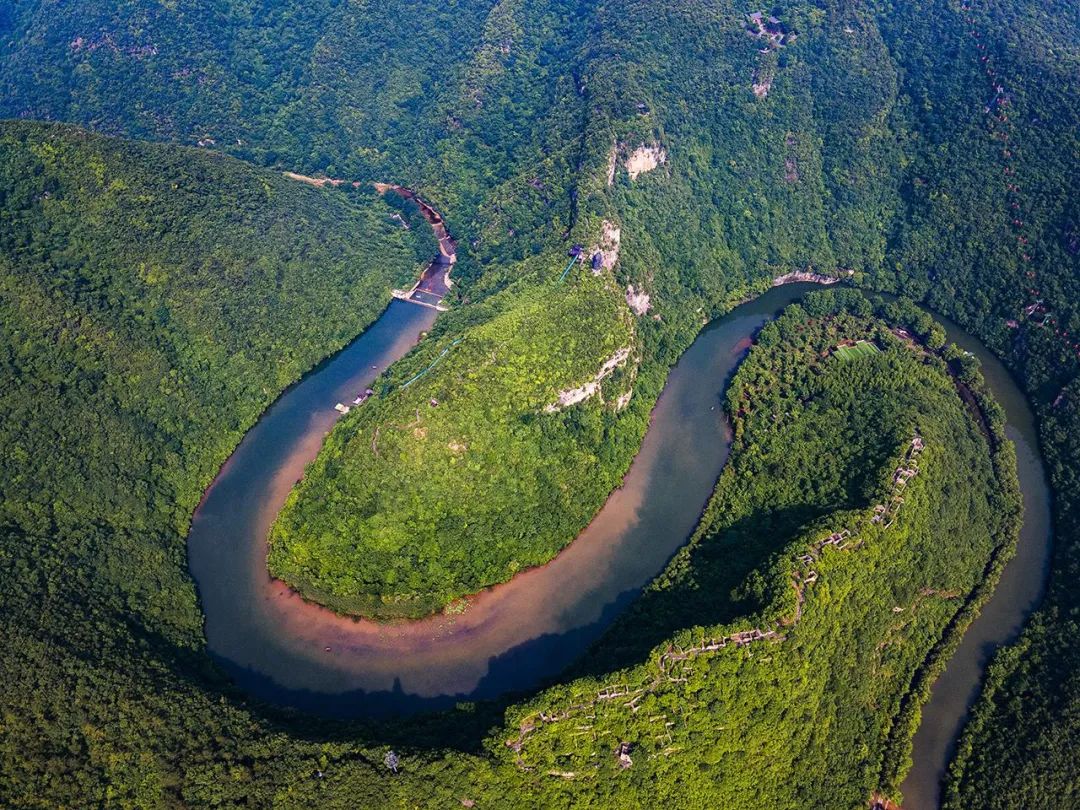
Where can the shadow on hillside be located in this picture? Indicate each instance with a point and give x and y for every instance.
(629, 628)
(713, 591)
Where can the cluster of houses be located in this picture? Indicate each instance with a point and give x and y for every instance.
(675, 655)
(770, 29)
(908, 469)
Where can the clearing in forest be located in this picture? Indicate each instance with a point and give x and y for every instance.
(849, 351)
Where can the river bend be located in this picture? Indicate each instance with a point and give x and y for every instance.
(515, 635)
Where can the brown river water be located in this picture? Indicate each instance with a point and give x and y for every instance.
(519, 634)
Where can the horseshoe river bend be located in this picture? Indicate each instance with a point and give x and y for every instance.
(284, 650)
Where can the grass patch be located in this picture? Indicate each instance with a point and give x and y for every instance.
(859, 348)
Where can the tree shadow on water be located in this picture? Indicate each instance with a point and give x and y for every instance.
(628, 629)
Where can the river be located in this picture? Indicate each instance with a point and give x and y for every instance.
(516, 635)
(1017, 593)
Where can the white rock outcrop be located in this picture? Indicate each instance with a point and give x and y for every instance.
(644, 159)
(638, 301)
(572, 396)
(608, 246)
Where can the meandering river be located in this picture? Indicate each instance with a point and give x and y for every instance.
(514, 636)
(1017, 593)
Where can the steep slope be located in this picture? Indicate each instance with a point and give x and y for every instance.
(458, 98)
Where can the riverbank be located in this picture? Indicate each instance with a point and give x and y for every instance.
(1002, 616)
(275, 645)
(512, 636)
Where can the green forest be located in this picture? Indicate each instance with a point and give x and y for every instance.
(159, 293)
(451, 484)
(804, 549)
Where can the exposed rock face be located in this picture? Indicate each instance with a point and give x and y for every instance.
(613, 160)
(311, 181)
(638, 301)
(803, 275)
(608, 246)
(572, 396)
(644, 159)
(624, 400)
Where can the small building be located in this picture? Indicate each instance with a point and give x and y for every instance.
(597, 261)
(361, 398)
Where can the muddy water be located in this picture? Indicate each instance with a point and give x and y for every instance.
(513, 636)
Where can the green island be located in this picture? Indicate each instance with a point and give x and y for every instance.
(162, 283)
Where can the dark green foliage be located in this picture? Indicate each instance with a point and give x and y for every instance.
(152, 302)
(1029, 712)
(817, 439)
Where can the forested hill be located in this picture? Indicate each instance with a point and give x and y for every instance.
(457, 97)
(153, 301)
(867, 138)
(821, 594)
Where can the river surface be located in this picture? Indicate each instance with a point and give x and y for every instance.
(518, 634)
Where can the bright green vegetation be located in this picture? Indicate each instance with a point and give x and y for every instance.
(858, 349)
(411, 503)
(870, 152)
(820, 712)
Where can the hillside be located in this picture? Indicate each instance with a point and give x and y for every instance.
(478, 469)
(799, 626)
(153, 302)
